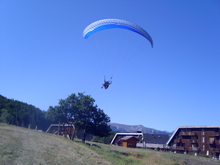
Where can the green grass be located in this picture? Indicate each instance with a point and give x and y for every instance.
(21, 146)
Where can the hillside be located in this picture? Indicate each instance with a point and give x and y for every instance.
(135, 128)
(21, 146)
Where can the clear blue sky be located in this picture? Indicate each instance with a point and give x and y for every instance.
(44, 58)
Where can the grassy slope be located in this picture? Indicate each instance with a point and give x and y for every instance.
(20, 146)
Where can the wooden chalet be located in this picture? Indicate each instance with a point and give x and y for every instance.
(129, 141)
(118, 136)
(202, 140)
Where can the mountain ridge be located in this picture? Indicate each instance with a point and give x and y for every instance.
(134, 128)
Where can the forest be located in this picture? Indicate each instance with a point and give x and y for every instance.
(21, 114)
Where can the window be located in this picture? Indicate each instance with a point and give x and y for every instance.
(203, 147)
(203, 139)
(203, 132)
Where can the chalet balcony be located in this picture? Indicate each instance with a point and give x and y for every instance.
(187, 134)
(186, 140)
(177, 148)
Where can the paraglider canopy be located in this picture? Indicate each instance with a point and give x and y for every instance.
(115, 23)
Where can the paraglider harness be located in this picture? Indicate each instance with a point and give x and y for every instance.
(106, 83)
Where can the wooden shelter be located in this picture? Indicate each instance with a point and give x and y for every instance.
(66, 130)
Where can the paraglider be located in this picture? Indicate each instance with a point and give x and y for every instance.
(114, 23)
(106, 83)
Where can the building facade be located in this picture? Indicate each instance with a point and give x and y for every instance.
(202, 140)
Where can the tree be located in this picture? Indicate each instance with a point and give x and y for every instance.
(5, 117)
(83, 113)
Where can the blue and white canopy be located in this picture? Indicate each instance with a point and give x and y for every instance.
(115, 23)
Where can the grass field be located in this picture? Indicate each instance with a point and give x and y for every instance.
(21, 146)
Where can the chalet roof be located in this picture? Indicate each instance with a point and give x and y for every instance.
(125, 134)
(156, 138)
(71, 125)
(127, 137)
(190, 127)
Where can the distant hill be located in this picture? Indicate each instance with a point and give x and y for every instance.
(135, 128)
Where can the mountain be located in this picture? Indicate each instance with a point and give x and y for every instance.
(134, 128)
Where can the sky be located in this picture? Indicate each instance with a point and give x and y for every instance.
(44, 58)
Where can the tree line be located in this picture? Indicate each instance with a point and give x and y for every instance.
(78, 109)
(22, 114)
